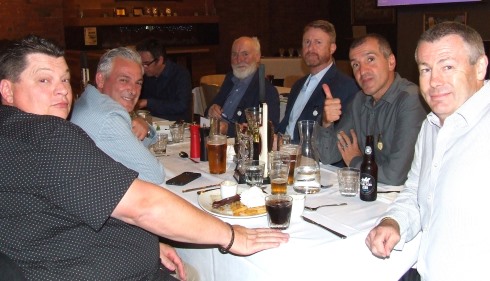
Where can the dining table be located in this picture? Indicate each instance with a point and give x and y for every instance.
(314, 250)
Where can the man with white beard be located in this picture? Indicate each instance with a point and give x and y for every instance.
(240, 89)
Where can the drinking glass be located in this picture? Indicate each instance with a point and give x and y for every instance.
(254, 172)
(292, 150)
(348, 181)
(145, 114)
(160, 146)
(278, 208)
(214, 126)
(283, 139)
(279, 171)
(177, 132)
(217, 154)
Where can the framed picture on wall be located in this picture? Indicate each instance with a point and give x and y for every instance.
(365, 12)
(431, 19)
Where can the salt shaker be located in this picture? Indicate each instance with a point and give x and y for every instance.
(195, 141)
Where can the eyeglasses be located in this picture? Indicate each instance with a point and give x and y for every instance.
(146, 64)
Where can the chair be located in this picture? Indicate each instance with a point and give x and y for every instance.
(289, 80)
(209, 91)
(213, 79)
(210, 85)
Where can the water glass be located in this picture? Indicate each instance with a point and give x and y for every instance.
(177, 132)
(254, 172)
(160, 146)
(348, 181)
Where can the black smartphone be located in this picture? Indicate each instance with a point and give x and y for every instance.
(184, 178)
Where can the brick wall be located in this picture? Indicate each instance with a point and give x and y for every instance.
(41, 17)
(277, 23)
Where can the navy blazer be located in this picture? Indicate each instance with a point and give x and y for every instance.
(249, 99)
(341, 86)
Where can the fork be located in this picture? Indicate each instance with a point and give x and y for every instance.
(321, 206)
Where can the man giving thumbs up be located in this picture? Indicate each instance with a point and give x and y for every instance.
(388, 107)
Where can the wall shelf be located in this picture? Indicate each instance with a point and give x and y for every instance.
(143, 20)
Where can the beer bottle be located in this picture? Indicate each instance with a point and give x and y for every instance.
(369, 173)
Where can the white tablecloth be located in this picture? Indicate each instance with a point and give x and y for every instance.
(312, 253)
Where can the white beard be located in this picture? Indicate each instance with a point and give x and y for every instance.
(242, 73)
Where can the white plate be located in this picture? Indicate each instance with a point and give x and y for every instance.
(206, 200)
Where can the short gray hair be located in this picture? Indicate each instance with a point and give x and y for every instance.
(107, 60)
(471, 38)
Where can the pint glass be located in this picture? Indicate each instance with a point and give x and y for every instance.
(217, 154)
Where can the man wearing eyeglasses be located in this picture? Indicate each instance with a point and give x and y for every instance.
(167, 87)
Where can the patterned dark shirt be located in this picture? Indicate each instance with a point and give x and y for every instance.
(57, 192)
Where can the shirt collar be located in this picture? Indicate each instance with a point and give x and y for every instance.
(320, 74)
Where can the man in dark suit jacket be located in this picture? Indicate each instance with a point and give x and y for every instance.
(305, 102)
(240, 89)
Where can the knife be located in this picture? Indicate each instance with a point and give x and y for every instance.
(338, 234)
(201, 187)
(206, 190)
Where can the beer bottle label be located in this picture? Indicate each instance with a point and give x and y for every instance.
(368, 184)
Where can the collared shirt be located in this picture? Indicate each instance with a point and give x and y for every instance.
(57, 194)
(394, 121)
(236, 95)
(109, 125)
(447, 191)
(303, 97)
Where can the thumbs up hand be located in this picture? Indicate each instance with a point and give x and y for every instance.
(331, 108)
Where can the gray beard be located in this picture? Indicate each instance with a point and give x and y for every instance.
(244, 73)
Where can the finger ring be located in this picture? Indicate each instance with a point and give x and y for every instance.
(346, 145)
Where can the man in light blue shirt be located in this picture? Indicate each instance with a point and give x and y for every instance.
(103, 113)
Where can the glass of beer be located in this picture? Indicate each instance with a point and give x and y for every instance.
(292, 150)
(278, 171)
(217, 154)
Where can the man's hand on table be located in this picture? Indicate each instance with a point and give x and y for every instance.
(252, 240)
(140, 128)
(382, 239)
(171, 260)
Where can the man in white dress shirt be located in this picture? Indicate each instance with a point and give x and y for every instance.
(445, 198)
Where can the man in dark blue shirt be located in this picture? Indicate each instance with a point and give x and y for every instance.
(167, 87)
